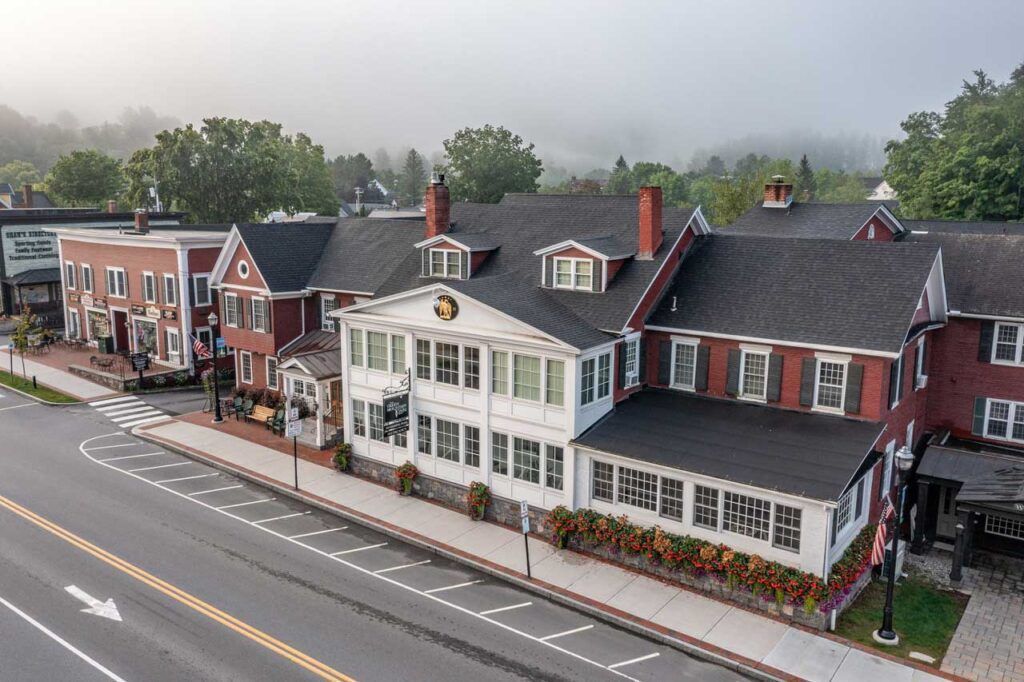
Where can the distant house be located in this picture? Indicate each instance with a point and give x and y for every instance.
(11, 198)
(878, 189)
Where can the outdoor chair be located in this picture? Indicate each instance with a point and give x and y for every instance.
(234, 407)
(277, 423)
(247, 406)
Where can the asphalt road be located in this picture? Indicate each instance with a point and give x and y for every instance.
(212, 580)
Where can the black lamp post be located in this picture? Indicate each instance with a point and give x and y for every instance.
(885, 634)
(217, 418)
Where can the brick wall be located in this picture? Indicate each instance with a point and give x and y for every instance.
(882, 232)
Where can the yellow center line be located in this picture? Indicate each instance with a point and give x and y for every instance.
(311, 664)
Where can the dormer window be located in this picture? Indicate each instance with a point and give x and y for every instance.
(574, 273)
(446, 263)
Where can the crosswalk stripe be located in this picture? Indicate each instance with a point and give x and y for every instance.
(139, 408)
(150, 412)
(135, 402)
(150, 420)
(111, 401)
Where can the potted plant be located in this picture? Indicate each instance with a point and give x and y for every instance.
(406, 474)
(341, 455)
(477, 499)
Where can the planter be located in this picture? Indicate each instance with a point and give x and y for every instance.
(405, 486)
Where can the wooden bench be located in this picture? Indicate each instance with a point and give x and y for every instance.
(261, 414)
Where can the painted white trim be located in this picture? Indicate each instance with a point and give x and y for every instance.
(794, 344)
(341, 291)
(152, 240)
(573, 244)
(156, 294)
(209, 288)
(277, 367)
(573, 262)
(980, 316)
(427, 243)
(241, 365)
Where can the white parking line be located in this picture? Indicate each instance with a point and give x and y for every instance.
(185, 478)
(505, 608)
(215, 490)
(357, 549)
(451, 587)
(316, 532)
(567, 632)
(145, 454)
(107, 447)
(243, 504)
(150, 420)
(161, 466)
(399, 568)
(14, 407)
(279, 518)
(111, 401)
(633, 660)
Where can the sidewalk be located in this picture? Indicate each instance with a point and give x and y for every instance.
(55, 378)
(619, 595)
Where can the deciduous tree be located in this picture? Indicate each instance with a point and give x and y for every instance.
(85, 178)
(484, 164)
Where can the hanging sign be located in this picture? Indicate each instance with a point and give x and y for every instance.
(446, 307)
(396, 413)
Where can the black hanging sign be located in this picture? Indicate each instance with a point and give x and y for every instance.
(396, 413)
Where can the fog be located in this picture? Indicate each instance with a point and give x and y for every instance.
(585, 81)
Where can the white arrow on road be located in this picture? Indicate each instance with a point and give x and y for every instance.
(107, 609)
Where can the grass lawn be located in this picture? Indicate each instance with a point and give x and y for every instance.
(42, 392)
(924, 616)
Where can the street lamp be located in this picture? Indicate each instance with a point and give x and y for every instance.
(213, 320)
(885, 634)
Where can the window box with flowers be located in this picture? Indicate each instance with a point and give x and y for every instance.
(477, 499)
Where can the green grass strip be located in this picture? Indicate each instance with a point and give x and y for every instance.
(41, 392)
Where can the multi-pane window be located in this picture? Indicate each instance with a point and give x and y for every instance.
(358, 418)
(786, 533)
(574, 273)
(447, 440)
(638, 488)
(377, 351)
(1005, 420)
(86, 277)
(446, 358)
(499, 372)
(272, 373)
(423, 359)
(1005, 526)
(705, 507)
(170, 288)
(202, 289)
(471, 367)
(684, 364)
(499, 453)
(555, 382)
(327, 304)
(631, 360)
(471, 442)
(831, 384)
(754, 377)
(397, 354)
(602, 481)
(563, 273)
(526, 460)
(377, 422)
(604, 375)
(148, 287)
(246, 367)
(400, 440)
(588, 377)
(445, 263)
(69, 275)
(746, 515)
(844, 511)
(116, 282)
(1009, 339)
(526, 377)
(671, 503)
(355, 344)
(553, 466)
(260, 308)
(424, 435)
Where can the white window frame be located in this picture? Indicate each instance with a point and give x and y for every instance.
(541, 375)
(87, 278)
(396, 362)
(744, 354)
(1018, 346)
(574, 273)
(120, 288)
(148, 282)
(76, 324)
(326, 323)
(692, 343)
(195, 287)
(920, 378)
(446, 262)
(231, 310)
(549, 385)
(70, 275)
(173, 332)
(1014, 409)
(359, 361)
(587, 394)
(887, 463)
(242, 356)
(871, 231)
(631, 356)
(273, 374)
(199, 332)
(170, 285)
(842, 387)
(1004, 526)
(264, 311)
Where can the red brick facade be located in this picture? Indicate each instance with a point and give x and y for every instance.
(874, 230)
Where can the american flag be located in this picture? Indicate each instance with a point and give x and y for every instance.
(878, 550)
(199, 348)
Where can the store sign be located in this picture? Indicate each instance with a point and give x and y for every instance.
(28, 249)
(293, 429)
(396, 413)
(138, 310)
(446, 307)
(74, 298)
(153, 311)
(140, 361)
(87, 301)
(169, 314)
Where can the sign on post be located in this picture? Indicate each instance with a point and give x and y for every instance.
(140, 361)
(293, 429)
(396, 413)
(293, 413)
(524, 517)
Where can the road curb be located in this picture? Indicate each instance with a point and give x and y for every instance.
(41, 400)
(671, 638)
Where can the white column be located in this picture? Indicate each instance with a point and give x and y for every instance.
(184, 309)
(485, 414)
(410, 364)
(346, 383)
(319, 413)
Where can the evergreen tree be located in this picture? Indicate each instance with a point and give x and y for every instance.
(621, 181)
(412, 180)
(806, 187)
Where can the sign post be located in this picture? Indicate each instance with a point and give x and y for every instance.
(10, 351)
(524, 517)
(140, 362)
(293, 428)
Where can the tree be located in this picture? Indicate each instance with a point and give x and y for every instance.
(85, 178)
(805, 185)
(412, 181)
(484, 164)
(714, 167)
(19, 173)
(350, 172)
(966, 163)
(620, 181)
(28, 328)
(232, 170)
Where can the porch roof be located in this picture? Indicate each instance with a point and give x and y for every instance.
(322, 365)
(36, 276)
(960, 465)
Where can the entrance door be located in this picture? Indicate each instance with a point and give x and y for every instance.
(945, 518)
(120, 330)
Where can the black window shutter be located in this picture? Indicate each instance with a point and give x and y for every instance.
(924, 355)
(425, 255)
(266, 314)
(665, 363)
(622, 364)
(596, 268)
(901, 374)
(642, 366)
(191, 292)
(549, 272)
(700, 379)
(860, 498)
(988, 328)
(854, 379)
(978, 425)
(464, 264)
(913, 372)
(835, 525)
(732, 380)
(808, 367)
(775, 377)
(319, 313)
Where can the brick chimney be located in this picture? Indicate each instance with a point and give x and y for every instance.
(650, 235)
(142, 221)
(26, 196)
(111, 206)
(438, 206)
(778, 193)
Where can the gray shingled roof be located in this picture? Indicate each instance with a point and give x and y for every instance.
(475, 241)
(362, 252)
(36, 276)
(964, 226)
(810, 455)
(984, 272)
(806, 220)
(285, 253)
(610, 247)
(849, 294)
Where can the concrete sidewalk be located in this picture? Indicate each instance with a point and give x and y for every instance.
(58, 379)
(621, 595)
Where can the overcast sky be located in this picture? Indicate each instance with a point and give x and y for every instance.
(583, 80)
